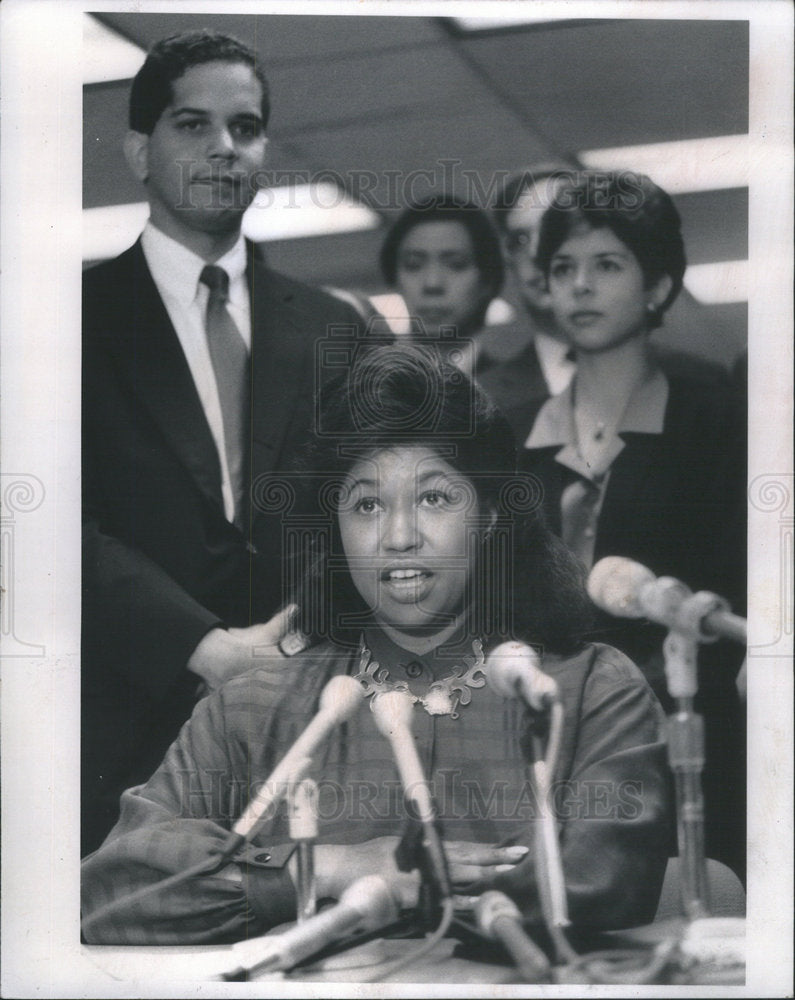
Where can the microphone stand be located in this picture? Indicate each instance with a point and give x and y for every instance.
(685, 737)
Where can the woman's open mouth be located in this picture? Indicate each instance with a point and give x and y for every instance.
(407, 584)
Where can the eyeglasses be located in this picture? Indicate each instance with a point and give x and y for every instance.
(518, 241)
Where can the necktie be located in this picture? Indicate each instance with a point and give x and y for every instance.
(230, 363)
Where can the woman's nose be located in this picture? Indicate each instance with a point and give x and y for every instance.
(433, 279)
(221, 143)
(582, 280)
(400, 530)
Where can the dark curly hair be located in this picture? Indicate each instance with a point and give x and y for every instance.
(446, 208)
(171, 58)
(632, 206)
(526, 586)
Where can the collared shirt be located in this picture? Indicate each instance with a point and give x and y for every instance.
(555, 360)
(581, 501)
(176, 271)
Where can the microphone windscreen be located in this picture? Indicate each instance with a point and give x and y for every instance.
(341, 696)
(615, 583)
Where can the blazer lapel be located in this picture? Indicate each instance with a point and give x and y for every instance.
(279, 361)
(163, 382)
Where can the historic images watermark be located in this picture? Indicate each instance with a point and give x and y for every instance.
(457, 796)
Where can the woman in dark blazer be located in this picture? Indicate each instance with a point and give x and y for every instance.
(638, 463)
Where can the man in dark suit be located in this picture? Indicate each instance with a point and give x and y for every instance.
(198, 384)
(524, 363)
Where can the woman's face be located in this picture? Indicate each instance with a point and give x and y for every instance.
(598, 291)
(439, 279)
(406, 521)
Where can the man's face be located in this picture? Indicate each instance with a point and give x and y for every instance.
(523, 225)
(201, 162)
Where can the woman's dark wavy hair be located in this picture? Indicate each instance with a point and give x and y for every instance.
(635, 209)
(446, 208)
(171, 58)
(526, 586)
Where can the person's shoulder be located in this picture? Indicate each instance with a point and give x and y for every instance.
(100, 276)
(299, 295)
(699, 403)
(595, 663)
(692, 370)
(294, 681)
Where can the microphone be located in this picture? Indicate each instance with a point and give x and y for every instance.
(393, 712)
(339, 699)
(513, 670)
(499, 918)
(627, 589)
(367, 904)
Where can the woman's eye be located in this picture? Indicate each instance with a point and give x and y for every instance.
(559, 270)
(367, 505)
(460, 264)
(191, 125)
(434, 498)
(247, 130)
(610, 266)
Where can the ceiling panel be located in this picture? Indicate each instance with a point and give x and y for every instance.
(287, 38)
(622, 82)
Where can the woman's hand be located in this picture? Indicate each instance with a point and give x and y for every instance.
(337, 865)
(472, 863)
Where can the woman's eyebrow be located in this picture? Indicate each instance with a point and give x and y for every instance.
(435, 474)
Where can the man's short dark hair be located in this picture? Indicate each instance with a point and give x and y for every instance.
(445, 208)
(170, 58)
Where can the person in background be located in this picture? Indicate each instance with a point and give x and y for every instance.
(443, 256)
(198, 379)
(522, 364)
(640, 463)
(421, 560)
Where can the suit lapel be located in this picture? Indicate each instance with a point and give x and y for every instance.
(279, 346)
(163, 382)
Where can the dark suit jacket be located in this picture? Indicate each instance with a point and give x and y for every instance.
(162, 565)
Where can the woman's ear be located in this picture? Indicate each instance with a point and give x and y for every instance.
(136, 153)
(659, 292)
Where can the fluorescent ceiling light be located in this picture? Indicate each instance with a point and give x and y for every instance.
(683, 166)
(276, 214)
(110, 229)
(286, 213)
(474, 24)
(107, 55)
(725, 281)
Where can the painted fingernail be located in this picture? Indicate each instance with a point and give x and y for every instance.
(517, 851)
(503, 868)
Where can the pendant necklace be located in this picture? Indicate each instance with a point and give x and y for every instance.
(442, 697)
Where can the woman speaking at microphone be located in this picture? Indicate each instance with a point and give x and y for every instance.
(423, 554)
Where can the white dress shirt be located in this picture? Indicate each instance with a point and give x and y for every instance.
(176, 271)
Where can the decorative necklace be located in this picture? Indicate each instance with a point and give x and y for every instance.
(442, 697)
